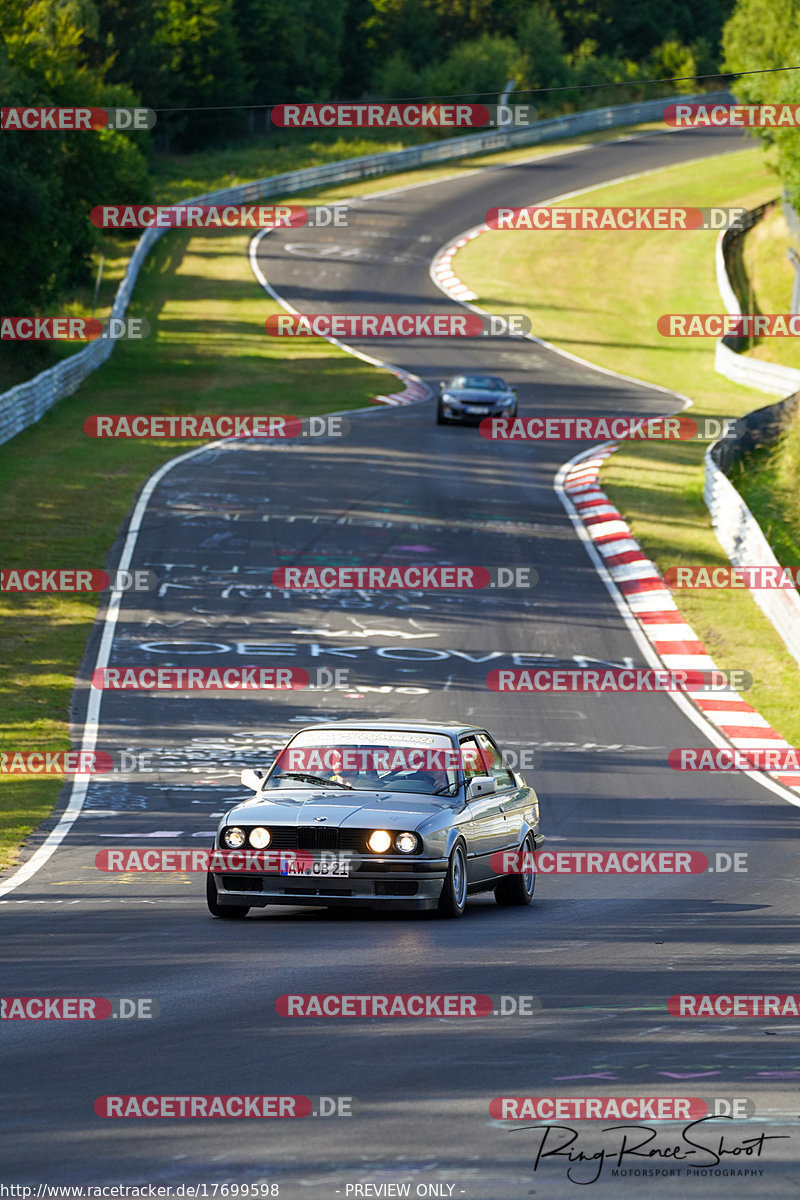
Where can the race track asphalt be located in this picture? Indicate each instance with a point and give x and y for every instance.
(603, 953)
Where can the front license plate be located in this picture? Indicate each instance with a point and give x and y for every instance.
(481, 408)
(336, 868)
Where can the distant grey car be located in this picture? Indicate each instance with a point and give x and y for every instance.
(379, 814)
(473, 398)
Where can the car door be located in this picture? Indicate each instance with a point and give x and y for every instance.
(508, 793)
(487, 832)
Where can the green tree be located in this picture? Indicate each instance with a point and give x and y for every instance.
(760, 35)
(473, 68)
(51, 180)
(540, 38)
(292, 49)
(631, 31)
(198, 43)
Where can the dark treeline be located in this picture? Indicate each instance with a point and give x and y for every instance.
(179, 54)
(225, 59)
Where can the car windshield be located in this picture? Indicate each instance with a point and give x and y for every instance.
(368, 760)
(478, 383)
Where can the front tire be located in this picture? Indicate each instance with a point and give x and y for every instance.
(441, 419)
(453, 899)
(515, 891)
(231, 911)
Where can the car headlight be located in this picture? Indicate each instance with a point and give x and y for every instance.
(379, 841)
(260, 837)
(406, 843)
(233, 837)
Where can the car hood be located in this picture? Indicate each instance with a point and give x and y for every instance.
(476, 395)
(340, 809)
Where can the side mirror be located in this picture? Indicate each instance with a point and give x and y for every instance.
(252, 779)
(442, 384)
(481, 785)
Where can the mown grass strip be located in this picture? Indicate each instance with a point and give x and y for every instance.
(65, 495)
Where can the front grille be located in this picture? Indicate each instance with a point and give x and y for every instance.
(318, 837)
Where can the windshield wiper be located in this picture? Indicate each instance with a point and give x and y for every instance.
(314, 779)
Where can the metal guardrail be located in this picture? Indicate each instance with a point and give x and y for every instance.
(737, 530)
(773, 378)
(29, 401)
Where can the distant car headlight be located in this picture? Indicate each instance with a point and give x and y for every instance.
(406, 843)
(379, 841)
(233, 837)
(507, 400)
(260, 838)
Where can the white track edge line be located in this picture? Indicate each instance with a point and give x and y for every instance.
(398, 372)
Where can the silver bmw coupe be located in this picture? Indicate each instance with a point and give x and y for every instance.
(379, 814)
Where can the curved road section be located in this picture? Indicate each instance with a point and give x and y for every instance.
(603, 954)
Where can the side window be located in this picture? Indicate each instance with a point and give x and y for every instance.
(471, 760)
(495, 760)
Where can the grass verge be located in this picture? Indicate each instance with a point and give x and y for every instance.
(65, 495)
(769, 279)
(599, 296)
(767, 480)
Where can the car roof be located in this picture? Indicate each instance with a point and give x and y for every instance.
(448, 728)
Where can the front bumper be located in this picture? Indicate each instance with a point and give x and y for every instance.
(405, 885)
(471, 418)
